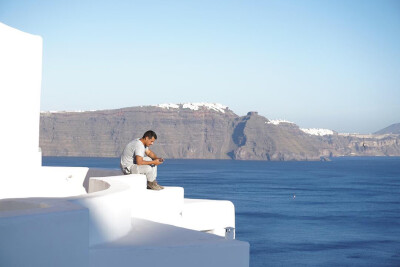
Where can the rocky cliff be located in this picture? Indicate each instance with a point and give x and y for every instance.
(199, 131)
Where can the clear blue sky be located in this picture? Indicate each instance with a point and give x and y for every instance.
(321, 64)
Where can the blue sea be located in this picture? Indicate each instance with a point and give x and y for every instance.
(345, 212)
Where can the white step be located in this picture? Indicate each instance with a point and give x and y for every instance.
(164, 206)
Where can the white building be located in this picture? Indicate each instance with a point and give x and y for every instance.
(56, 216)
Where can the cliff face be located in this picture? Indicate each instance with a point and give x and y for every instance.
(258, 139)
(201, 132)
(182, 133)
(370, 145)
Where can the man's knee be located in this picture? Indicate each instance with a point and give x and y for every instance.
(144, 169)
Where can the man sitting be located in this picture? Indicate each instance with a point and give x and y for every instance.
(137, 158)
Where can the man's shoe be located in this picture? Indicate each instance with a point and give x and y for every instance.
(154, 186)
(160, 186)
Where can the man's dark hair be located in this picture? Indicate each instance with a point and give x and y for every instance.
(150, 134)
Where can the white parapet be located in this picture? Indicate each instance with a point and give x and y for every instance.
(44, 182)
(109, 210)
(164, 206)
(212, 216)
(170, 207)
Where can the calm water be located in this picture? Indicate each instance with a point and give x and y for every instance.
(340, 213)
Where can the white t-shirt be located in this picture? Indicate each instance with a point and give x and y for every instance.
(132, 149)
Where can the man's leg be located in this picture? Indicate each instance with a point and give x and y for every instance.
(150, 172)
(154, 184)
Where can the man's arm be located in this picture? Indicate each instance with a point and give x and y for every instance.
(141, 161)
(151, 154)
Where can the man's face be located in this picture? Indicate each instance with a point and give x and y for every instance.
(148, 141)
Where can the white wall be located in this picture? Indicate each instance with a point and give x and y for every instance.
(20, 82)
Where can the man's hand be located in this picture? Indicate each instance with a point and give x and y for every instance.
(158, 161)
